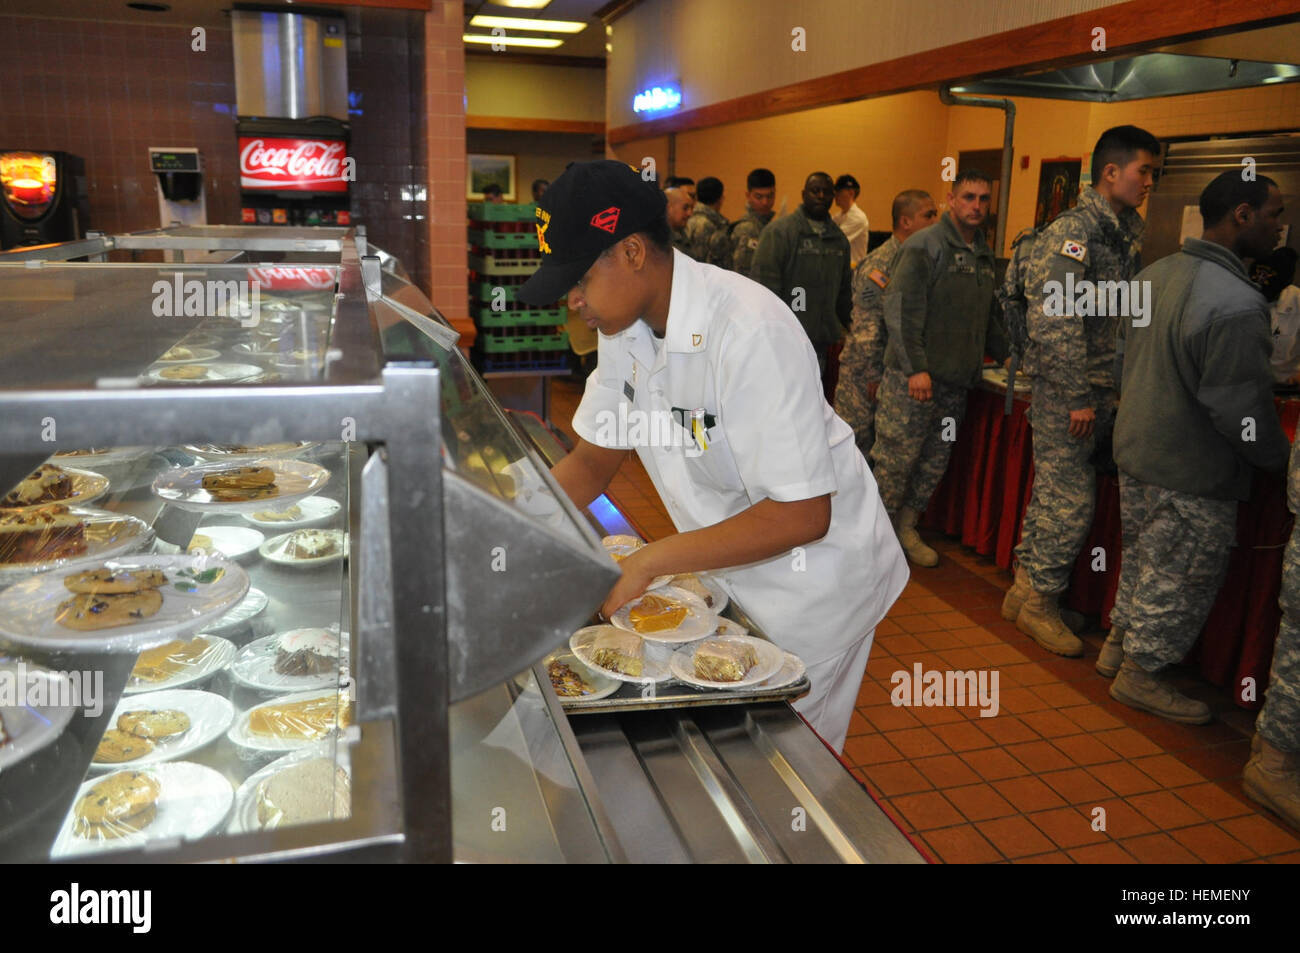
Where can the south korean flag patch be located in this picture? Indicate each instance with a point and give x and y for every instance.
(1074, 249)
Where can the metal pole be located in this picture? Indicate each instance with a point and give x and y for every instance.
(1004, 193)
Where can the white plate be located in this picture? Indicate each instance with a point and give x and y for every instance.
(210, 718)
(201, 354)
(183, 486)
(241, 736)
(790, 672)
(106, 457)
(107, 534)
(603, 685)
(273, 550)
(212, 374)
(626, 546)
(215, 453)
(86, 488)
(251, 348)
(655, 665)
(255, 667)
(622, 541)
(27, 608)
(720, 598)
(315, 510)
(193, 802)
(231, 541)
(244, 819)
(698, 624)
(218, 656)
(41, 719)
(770, 660)
(251, 605)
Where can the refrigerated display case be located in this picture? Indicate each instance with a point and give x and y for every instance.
(458, 567)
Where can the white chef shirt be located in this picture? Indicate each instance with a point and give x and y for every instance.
(735, 350)
(855, 226)
(1286, 335)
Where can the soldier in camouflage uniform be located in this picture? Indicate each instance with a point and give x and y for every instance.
(1071, 363)
(1195, 418)
(862, 362)
(681, 204)
(940, 317)
(1273, 775)
(707, 231)
(760, 196)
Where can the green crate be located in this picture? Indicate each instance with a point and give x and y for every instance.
(485, 238)
(489, 212)
(488, 265)
(483, 289)
(509, 343)
(487, 318)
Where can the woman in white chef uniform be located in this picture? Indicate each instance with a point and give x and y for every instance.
(709, 377)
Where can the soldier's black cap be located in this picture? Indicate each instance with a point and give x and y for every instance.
(588, 208)
(847, 182)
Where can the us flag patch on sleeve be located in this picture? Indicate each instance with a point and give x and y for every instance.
(878, 277)
(1072, 249)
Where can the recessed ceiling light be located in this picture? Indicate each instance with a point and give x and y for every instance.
(543, 42)
(150, 7)
(522, 4)
(528, 23)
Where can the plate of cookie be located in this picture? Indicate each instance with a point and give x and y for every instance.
(125, 604)
(32, 716)
(98, 456)
(179, 662)
(240, 489)
(161, 726)
(669, 615)
(571, 679)
(294, 661)
(292, 721)
(304, 787)
(238, 452)
(621, 655)
(174, 799)
(306, 547)
(183, 354)
(731, 661)
(203, 374)
(58, 536)
(312, 511)
(51, 483)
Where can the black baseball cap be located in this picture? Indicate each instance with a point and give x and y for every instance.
(847, 182)
(587, 209)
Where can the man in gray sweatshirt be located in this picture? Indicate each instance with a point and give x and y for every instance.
(1195, 418)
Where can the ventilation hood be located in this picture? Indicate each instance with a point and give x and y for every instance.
(1138, 77)
(290, 65)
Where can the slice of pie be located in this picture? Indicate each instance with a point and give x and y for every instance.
(656, 614)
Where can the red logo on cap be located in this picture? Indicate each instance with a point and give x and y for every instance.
(608, 219)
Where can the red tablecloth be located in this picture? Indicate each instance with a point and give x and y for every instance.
(983, 498)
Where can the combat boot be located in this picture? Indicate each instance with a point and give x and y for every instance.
(917, 551)
(1272, 779)
(1146, 692)
(1040, 619)
(1112, 653)
(1015, 598)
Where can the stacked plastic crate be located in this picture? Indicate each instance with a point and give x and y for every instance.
(512, 337)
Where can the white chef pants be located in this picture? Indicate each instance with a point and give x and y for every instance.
(836, 681)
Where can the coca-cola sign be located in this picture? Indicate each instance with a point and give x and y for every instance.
(294, 165)
(292, 278)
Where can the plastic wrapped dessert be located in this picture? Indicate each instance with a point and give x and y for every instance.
(307, 652)
(239, 484)
(41, 533)
(121, 804)
(314, 790)
(309, 719)
(161, 663)
(48, 484)
(656, 614)
(619, 651)
(719, 661)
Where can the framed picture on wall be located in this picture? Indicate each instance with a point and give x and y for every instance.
(1058, 188)
(484, 170)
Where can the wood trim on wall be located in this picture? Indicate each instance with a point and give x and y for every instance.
(525, 124)
(1048, 45)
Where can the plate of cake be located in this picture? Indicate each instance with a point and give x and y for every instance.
(51, 483)
(306, 547)
(240, 489)
(303, 787)
(293, 661)
(730, 661)
(292, 721)
(123, 604)
(179, 662)
(668, 615)
(312, 511)
(621, 655)
(30, 721)
(58, 536)
(161, 726)
(127, 808)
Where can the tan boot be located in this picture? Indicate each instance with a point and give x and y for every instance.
(1147, 692)
(1272, 779)
(917, 551)
(1040, 619)
(1112, 653)
(1015, 598)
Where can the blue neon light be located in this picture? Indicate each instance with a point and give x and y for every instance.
(657, 99)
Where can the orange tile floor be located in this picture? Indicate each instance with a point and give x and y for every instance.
(1025, 785)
